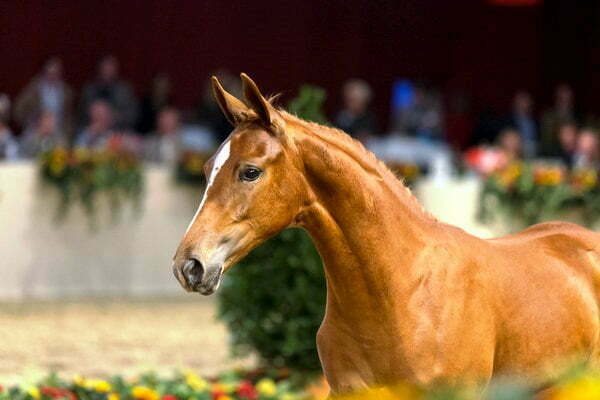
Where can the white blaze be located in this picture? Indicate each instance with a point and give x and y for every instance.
(220, 160)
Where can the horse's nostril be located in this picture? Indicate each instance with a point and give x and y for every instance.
(193, 271)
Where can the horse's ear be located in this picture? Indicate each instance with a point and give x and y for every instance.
(235, 111)
(261, 106)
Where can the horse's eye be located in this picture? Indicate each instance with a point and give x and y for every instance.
(250, 174)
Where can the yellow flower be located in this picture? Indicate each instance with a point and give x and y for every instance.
(79, 380)
(195, 164)
(195, 382)
(223, 387)
(81, 154)
(34, 392)
(266, 387)
(590, 179)
(144, 393)
(225, 398)
(113, 396)
(585, 388)
(99, 385)
(57, 166)
(585, 179)
(510, 174)
(395, 392)
(548, 176)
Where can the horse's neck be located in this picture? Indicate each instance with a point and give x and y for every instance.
(365, 224)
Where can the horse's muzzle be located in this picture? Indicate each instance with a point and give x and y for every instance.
(195, 277)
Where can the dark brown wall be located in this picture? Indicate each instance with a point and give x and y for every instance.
(488, 50)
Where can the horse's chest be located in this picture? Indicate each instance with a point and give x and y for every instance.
(360, 358)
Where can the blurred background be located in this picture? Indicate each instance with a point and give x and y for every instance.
(486, 108)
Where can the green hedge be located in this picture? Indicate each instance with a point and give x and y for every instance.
(274, 301)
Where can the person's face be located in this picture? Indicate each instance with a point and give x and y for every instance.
(53, 70)
(109, 69)
(523, 103)
(587, 143)
(168, 122)
(564, 95)
(511, 142)
(568, 137)
(101, 115)
(47, 124)
(355, 99)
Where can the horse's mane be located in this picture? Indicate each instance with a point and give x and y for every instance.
(357, 151)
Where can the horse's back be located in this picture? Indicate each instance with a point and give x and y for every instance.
(551, 285)
(554, 229)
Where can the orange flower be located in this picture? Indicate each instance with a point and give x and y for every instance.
(509, 175)
(548, 176)
(584, 179)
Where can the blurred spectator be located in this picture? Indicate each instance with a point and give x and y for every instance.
(567, 137)
(164, 145)
(100, 128)
(422, 118)
(159, 97)
(209, 115)
(47, 92)
(510, 145)
(42, 137)
(586, 154)
(355, 118)
(562, 112)
(110, 88)
(522, 120)
(9, 148)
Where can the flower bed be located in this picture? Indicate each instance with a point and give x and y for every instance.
(184, 385)
(578, 383)
(531, 193)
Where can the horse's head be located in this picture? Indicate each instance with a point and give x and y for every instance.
(254, 190)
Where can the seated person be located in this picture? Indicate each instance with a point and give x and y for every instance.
(163, 146)
(421, 117)
(510, 145)
(567, 139)
(100, 128)
(355, 118)
(43, 136)
(586, 152)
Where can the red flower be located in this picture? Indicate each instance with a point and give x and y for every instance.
(246, 391)
(57, 393)
(1, 388)
(169, 397)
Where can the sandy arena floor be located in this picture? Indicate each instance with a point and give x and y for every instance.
(106, 337)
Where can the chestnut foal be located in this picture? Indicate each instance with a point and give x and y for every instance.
(408, 298)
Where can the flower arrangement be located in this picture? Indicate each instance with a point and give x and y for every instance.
(534, 193)
(81, 174)
(183, 385)
(189, 168)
